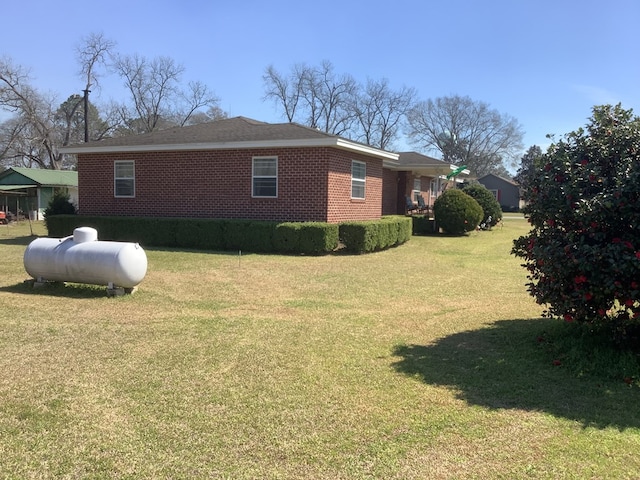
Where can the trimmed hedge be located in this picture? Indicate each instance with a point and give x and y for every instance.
(423, 225)
(310, 238)
(371, 235)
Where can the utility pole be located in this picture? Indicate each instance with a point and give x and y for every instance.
(86, 114)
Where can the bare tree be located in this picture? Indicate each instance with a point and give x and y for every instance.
(334, 95)
(314, 96)
(286, 92)
(157, 99)
(380, 112)
(30, 133)
(93, 50)
(465, 132)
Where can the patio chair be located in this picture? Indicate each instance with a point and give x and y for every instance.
(422, 206)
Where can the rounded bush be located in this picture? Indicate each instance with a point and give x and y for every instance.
(456, 212)
(487, 200)
(583, 250)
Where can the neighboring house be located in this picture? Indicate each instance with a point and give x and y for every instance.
(243, 168)
(506, 191)
(415, 174)
(25, 190)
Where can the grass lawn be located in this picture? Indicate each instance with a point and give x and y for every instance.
(419, 362)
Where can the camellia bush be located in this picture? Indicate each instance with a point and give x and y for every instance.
(487, 200)
(456, 212)
(583, 251)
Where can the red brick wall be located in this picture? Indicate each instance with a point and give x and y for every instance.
(217, 184)
(341, 206)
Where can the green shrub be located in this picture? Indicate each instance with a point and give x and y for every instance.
(583, 251)
(371, 235)
(456, 212)
(317, 237)
(248, 235)
(60, 204)
(206, 234)
(487, 200)
(423, 225)
(286, 238)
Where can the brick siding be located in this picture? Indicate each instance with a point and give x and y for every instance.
(314, 184)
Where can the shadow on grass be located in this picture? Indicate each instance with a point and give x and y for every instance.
(58, 289)
(25, 240)
(506, 366)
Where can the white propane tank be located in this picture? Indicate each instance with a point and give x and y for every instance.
(82, 258)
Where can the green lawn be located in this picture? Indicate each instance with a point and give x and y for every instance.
(419, 362)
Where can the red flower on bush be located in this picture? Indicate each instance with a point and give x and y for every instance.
(580, 279)
(576, 246)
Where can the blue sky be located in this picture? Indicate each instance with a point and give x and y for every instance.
(544, 62)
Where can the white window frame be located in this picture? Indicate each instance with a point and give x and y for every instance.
(433, 187)
(417, 182)
(255, 176)
(358, 181)
(117, 176)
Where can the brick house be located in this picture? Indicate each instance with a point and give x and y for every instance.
(414, 174)
(241, 168)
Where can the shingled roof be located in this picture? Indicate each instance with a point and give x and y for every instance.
(237, 132)
(421, 164)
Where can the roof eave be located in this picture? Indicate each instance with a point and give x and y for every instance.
(311, 142)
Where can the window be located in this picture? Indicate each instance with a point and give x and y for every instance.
(434, 187)
(358, 179)
(417, 189)
(265, 177)
(124, 174)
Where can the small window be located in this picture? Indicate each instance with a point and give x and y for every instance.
(358, 179)
(124, 174)
(417, 189)
(434, 187)
(265, 177)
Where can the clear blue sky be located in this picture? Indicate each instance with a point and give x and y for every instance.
(544, 62)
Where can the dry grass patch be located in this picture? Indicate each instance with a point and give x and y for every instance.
(417, 362)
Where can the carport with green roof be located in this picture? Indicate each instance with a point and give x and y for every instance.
(25, 190)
